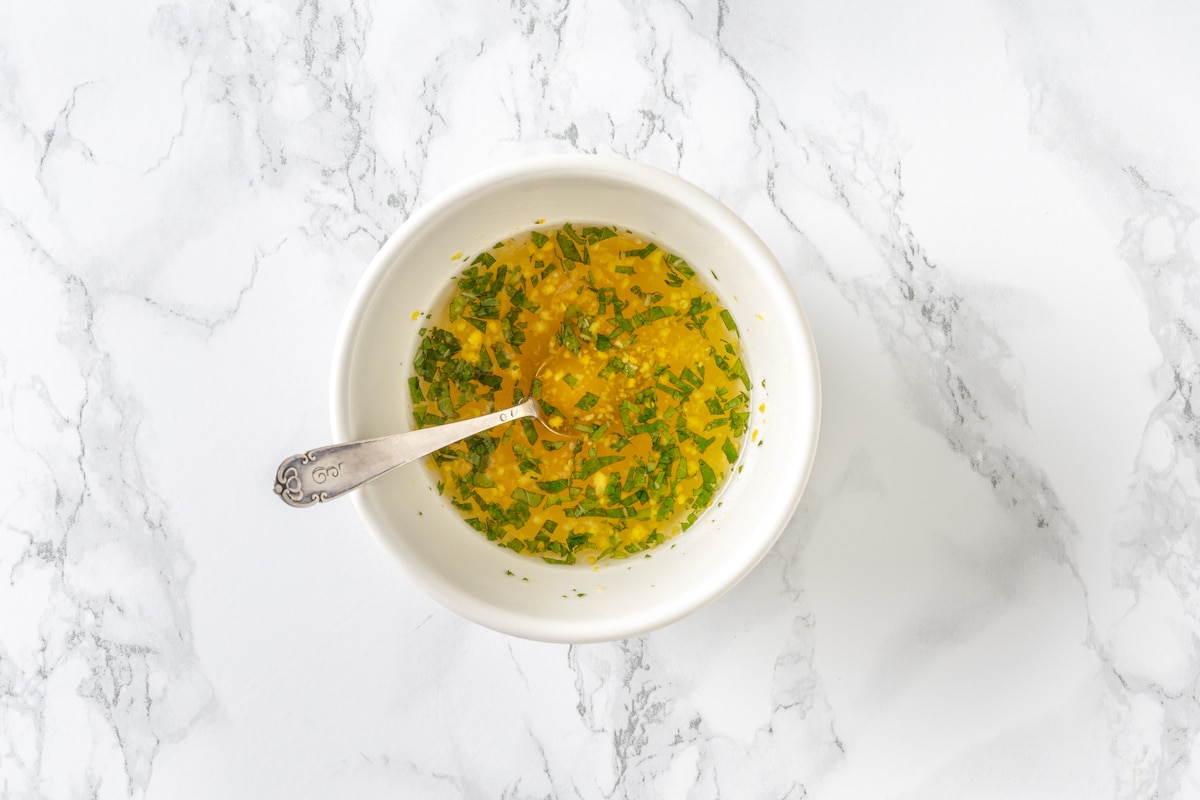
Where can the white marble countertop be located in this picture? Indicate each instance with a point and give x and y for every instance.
(991, 588)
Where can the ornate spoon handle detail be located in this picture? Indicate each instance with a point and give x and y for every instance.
(329, 472)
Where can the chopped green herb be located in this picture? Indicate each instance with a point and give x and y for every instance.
(527, 497)
(593, 235)
(645, 251)
(569, 250)
(593, 465)
(530, 430)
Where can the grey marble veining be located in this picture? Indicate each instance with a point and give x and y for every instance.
(988, 209)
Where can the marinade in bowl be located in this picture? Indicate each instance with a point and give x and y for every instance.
(634, 359)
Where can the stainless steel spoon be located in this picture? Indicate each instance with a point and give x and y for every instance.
(329, 472)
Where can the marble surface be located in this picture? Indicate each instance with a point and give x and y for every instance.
(991, 588)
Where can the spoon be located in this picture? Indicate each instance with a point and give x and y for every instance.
(327, 473)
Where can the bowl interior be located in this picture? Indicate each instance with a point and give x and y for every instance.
(524, 596)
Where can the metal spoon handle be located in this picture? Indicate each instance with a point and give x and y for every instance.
(329, 472)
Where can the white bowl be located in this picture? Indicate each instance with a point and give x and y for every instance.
(616, 599)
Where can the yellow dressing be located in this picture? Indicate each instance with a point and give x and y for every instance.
(626, 350)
